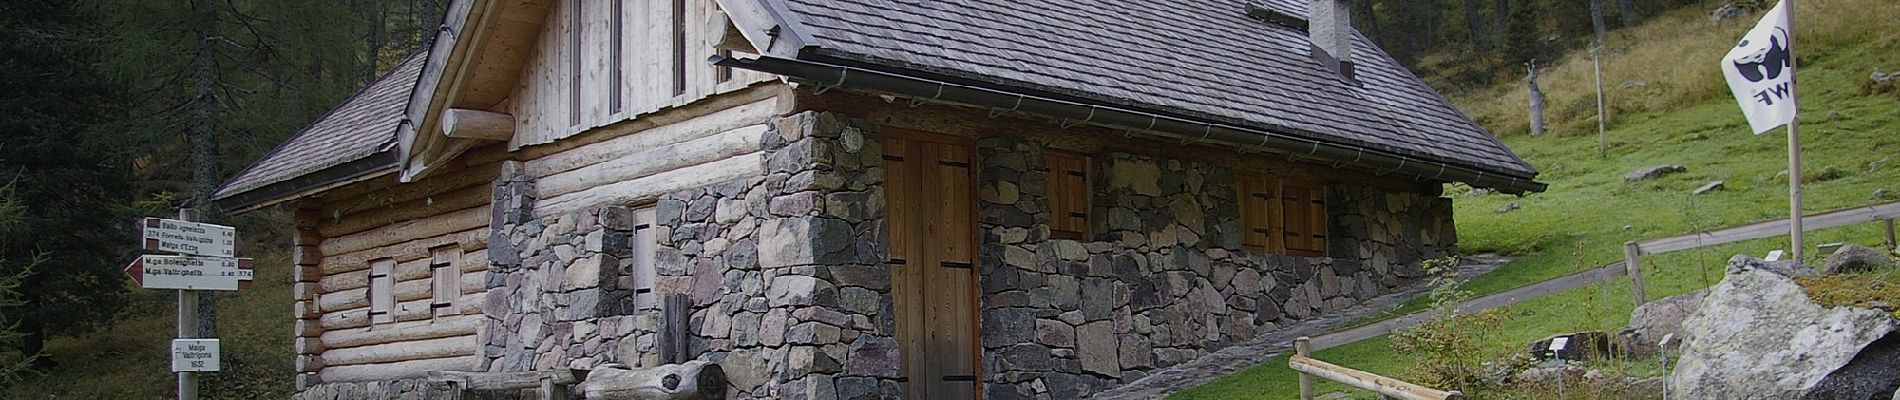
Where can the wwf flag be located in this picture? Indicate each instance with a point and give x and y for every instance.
(1760, 71)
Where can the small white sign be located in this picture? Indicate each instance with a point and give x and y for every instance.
(1773, 255)
(185, 237)
(189, 273)
(194, 355)
(1559, 343)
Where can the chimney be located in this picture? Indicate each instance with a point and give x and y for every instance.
(1329, 25)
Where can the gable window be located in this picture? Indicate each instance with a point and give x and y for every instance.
(445, 279)
(643, 272)
(382, 291)
(1282, 216)
(1068, 191)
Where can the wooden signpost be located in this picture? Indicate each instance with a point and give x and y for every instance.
(191, 238)
(202, 257)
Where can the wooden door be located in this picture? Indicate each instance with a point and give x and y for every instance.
(929, 208)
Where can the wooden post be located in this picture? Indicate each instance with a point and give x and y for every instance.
(1632, 263)
(187, 325)
(552, 390)
(1794, 148)
(1891, 244)
(1302, 347)
(675, 314)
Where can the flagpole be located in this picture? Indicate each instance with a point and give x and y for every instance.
(1794, 145)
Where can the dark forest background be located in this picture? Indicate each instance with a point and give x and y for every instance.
(116, 109)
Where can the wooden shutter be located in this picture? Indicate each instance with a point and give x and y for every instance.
(1304, 207)
(645, 273)
(1260, 218)
(382, 291)
(1068, 187)
(445, 279)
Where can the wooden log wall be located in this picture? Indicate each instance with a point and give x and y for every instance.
(576, 80)
(340, 234)
(711, 142)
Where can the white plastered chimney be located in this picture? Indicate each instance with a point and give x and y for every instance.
(1329, 25)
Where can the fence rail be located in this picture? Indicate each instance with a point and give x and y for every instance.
(1633, 251)
(1309, 367)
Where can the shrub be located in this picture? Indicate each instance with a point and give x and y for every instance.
(1450, 344)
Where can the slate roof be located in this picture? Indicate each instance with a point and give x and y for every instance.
(363, 126)
(1199, 57)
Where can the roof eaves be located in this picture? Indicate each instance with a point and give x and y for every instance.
(376, 164)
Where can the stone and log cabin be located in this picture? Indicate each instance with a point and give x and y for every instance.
(861, 199)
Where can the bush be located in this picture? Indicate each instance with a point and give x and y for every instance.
(1450, 344)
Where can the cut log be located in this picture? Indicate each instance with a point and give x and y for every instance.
(718, 114)
(358, 217)
(693, 380)
(643, 162)
(401, 331)
(470, 241)
(402, 351)
(464, 123)
(397, 370)
(721, 34)
(432, 226)
(651, 187)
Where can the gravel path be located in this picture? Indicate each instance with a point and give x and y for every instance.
(1236, 358)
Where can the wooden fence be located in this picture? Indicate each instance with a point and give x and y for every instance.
(1633, 251)
(1309, 368)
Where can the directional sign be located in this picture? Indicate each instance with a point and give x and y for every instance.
(191, 238)
(187, 272)
(194, 355)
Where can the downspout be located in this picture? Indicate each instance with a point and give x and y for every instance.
(829, 76)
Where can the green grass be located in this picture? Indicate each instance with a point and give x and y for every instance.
(131, 358)
(1589, 203)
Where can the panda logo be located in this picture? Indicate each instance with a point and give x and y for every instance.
(1768, 62)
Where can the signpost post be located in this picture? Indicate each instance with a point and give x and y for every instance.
(203, 257)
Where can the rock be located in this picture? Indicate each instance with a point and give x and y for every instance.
(1758, 336)
(1829, 173)
(1653, 172)
(1881, 194)
(1549, 375)
(1855, 258)
(1709, 187)
(1096, 345)
(1728, 11)
(1656, 319)
(1580, 346)
(1508, 207)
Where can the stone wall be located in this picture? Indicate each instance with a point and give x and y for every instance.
(785, 272)
(404, 389)
(787, 289)
(1164, 279)
(560, 288)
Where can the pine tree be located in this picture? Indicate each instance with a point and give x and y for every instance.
(70, 234)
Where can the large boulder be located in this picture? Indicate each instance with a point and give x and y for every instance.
(1580, 346)
(1654, 320)
(1855, 258)
(1757, 336)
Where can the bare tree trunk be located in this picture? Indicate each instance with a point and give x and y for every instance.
(429, 20)
(372, 42)
(1501, 13)
(1628, 9)
(201, 125)
(1475, 23)
(1537, 100)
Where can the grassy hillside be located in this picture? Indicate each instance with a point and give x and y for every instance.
(1675, 110)
(131, 358)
